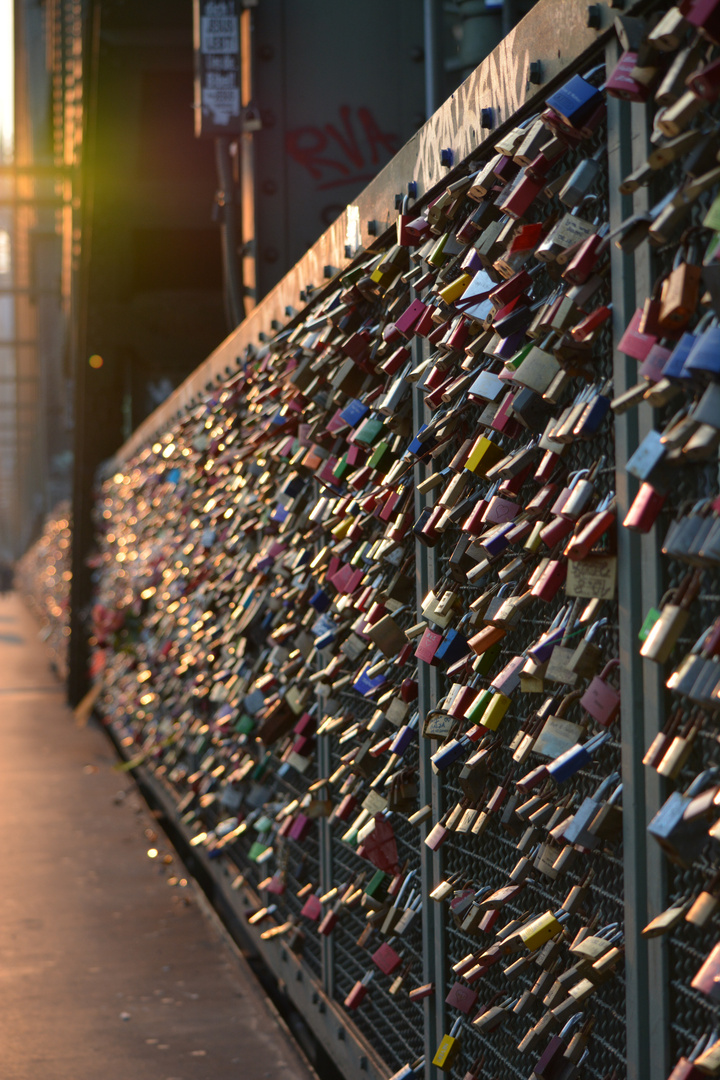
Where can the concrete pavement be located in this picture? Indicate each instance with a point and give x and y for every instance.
(109, 969)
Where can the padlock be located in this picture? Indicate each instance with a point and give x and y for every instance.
(558, 734)
(588, 822)
(449, 1048)
(644, 509)
(705, 904)
(585, 660)
(359, 991)
(682, 840)
(546, 926)
(666, 630)
(602, 700)
(575, 758)
(707, 977)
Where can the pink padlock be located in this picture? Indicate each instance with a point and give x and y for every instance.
(601, 699)
(428, 645)
(500, 510)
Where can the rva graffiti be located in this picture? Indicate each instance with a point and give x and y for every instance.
(335, 155)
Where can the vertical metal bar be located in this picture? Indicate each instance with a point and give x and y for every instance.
(434, 69)
(430, 791)
(325, 839)
(646, 998)
(653, 688)
(229, 232)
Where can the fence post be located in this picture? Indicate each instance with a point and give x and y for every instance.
(644, 887)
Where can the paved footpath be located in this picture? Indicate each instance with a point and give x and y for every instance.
(109, 967)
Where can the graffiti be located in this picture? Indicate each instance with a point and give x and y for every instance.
(335, 155)
(500, 84)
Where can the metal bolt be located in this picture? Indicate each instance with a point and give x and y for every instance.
(446, 157)
(341, 1034)
(276, 324)
(303, 295)
(283, 954)
(363, 1063)
(594, 16)
(298, 975)
(289, 311)
(315, 998)
(412, 189)
(328, 271)
(262, 336)
(399, 201)
(535, 75)
(372, 228)
(347, 251)
(486, 118)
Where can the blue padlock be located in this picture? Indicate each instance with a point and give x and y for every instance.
(454, 646)
(354, 412)
(704, 358)
(675, 364)
(576, 758)
(575, 101)
(449, 753)
(404, 738)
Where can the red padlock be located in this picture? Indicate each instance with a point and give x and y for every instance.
(621, 84)
(705, 83)
(312, 908)
(601, 699)
(428, 645)
(328, 923)
(586, 258)
(551, 580)
(358, 992)
(386, 958)
(556, 530)
(705, 15)
(461, 997)
(520, 196)
(644, 509)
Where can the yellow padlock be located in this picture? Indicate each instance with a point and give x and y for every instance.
(455, 289)
(497, 707)
(540, 930)
(447, 1052)
(484, 453)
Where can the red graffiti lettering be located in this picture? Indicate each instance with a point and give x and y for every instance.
(308, 154)
(309, 147)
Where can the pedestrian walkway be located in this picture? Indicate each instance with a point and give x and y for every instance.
(109, 967)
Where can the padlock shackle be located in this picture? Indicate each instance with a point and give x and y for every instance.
(701, 782)
(572, 1022)
(567, 701)
(611, 664)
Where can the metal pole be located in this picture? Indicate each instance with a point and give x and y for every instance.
(229, 232)
(646, 998)
(434, 70)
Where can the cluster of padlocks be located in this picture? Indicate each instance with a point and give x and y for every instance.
(362, 599)
(43, 576)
